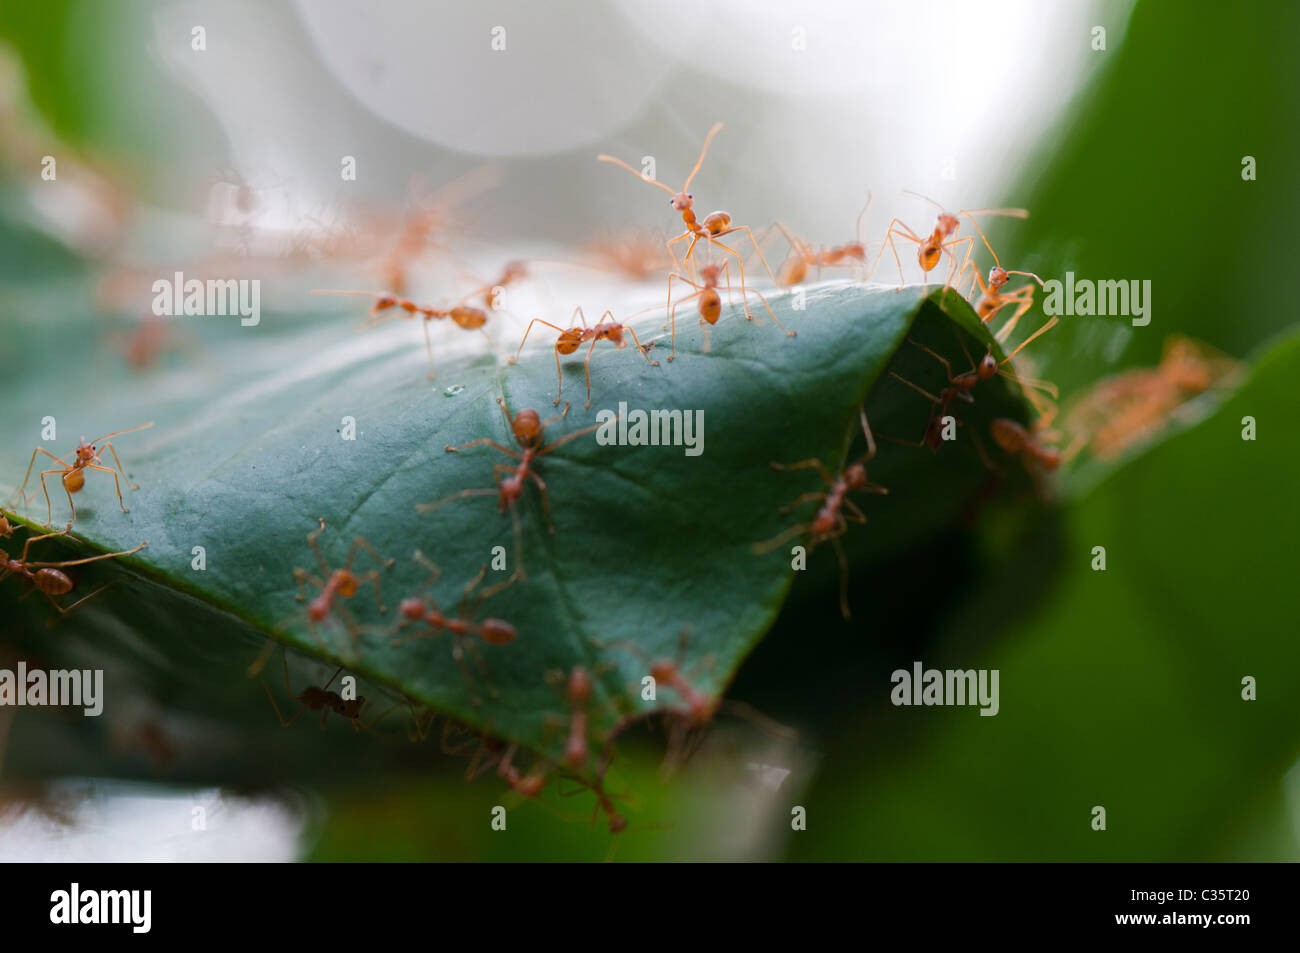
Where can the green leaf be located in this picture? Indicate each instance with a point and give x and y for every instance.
(649, 541)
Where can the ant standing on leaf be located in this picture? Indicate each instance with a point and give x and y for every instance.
(527, 427)
(48, 578)
(73, 474)
(710, 304)
(714, 226)
(832, 518)
(462, 315)
(572, 338)
(336, 584)
(930, 250)
(424, 611)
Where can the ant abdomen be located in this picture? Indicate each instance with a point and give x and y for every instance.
(497, 632)
(52, 582)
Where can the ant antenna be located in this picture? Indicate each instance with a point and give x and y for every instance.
(700, 161)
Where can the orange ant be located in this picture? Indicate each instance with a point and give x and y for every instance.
(1119, 410)
(319, 699)
(527, 427)
(710, 304)
(514, 271)
(6, 527)
(1015, 439)
(715, 225)
(635, 256)
(340, 583)
(961, 385)
(73, 475)
(423, 610)
(930, 250)
(803, 255)
(570, 340)
(578, 689)
(832, 519)
(48, 578)
(991, 299)
(462, 315)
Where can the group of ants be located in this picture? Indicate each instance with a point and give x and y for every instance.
(1138, 400)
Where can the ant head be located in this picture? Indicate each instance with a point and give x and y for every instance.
(530, 785)
(411, 608)
(579, 689)
(497, 632)
(988, 366)
(512, 487)
(318, 609)
(855, 475)
(997, 277)
(349, 709)
(682, 201)
(664, 671)
(948, 223)
(345, 583)
(614, 334)
(617, 823)
(527, 426)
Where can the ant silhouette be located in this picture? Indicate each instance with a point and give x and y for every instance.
(337, 584)
(320, 699)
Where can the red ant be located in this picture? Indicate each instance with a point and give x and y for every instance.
(73, 474)
(991, 299)
(961, 385)
(340, 583)
(527, 427)
(423, 610)
(1015, 439)
(514, 271)
(570, 340)
(319, 699)
(491, 752)
(832, 519)
(930, 250)
(715, 224)
(803, 255)
(462, 315)
(699, 707)
(48, 578)
(578, 689)
(710, 304)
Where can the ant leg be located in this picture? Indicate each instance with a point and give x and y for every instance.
(312, 537)
(28, 474)
(360, 542)
(587, 365)
(524, 340)
(640, 347)
(805, 465)
(482, 442)
(36, 539)
(46, 490)
(88, 559)
(804, 498)
(844, 575)
(66, 609)
(670, 312)
(429, 507)
(546, 499)
(556, 419)
(428, 347)
(109, 447)
(1023, 303)
(924, 393)
(373, 576)
(942, 360)
(120, 501)
(761, 549)
(745, 229)
(572, 436)
(302, 577)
